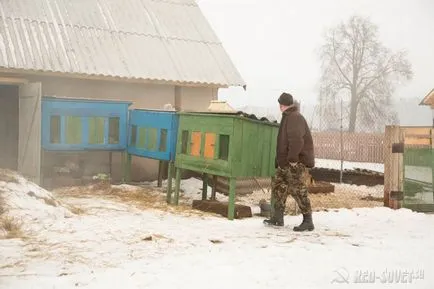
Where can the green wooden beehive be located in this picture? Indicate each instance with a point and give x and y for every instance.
(226, 145)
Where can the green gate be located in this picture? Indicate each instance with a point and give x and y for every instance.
(418, 170)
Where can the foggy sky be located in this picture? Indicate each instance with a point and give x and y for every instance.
(273, 43)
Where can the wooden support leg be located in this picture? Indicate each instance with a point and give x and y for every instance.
(231, 207)
(160, 174)
(169, 182)
(214, 187)
(177, 185)
(205, 186)
(123, 165)
(111, 165)
(127, 168)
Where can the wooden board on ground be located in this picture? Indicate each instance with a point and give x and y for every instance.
(321, 188)
(241, 211)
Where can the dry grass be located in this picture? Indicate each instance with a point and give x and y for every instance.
(11, 227)
(341, 198)
(8, 176)
(12, 265)
(140, 197)
(76, 210)
(50, 202)
(2, 205)
(155, 198)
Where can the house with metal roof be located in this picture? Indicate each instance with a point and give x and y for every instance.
(429, 100)
(148, 52)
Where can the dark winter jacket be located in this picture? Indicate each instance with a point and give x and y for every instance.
(294, 140)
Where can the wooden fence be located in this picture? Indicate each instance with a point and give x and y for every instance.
(357, 147)
(398, 191)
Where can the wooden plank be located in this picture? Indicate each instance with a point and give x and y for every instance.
(426, 141)
(401, 166)
(210, 142)
(29, 134)
(177, 185)
(432, 160)
(231, 207)
(249, 138)
(160, 174)
(390, 163)
(214, 188)
(256, 150)
(266, 152)
(204, 186)
(196, 140)
(13, 80)
(221, 208)
(235, 148)
(169, 182)
(416, 130)
(213, 167)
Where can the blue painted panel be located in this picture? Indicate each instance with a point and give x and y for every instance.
(85, 109)
(159, 120)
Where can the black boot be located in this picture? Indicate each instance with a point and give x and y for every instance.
(276, 219)
(306, 225)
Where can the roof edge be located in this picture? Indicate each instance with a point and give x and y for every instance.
(102, 77)
(427, 97)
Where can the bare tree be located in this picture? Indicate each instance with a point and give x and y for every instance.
(358, 68)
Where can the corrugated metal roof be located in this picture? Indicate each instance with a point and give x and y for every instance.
(136, 39)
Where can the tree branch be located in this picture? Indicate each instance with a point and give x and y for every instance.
(336, 62)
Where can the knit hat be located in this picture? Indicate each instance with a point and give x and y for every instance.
(286, 99)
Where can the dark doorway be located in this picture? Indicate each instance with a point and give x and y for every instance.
(9, 126)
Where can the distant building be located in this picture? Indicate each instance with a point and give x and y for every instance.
(429, 100)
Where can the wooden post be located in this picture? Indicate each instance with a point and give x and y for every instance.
(177, 185)
(231, 207)
(214, 188)
(42, 169)
(394, 167)
(123, 166)
(111, 164)
(127, 168)
(169, 182)
(387, 164)
(160, 174)
(432, 158)
(204, 186)
(401, 167)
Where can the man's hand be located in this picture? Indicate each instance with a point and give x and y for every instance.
(292, 164)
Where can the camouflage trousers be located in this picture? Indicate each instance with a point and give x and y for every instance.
(290, 181)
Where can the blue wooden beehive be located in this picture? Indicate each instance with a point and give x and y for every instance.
(153, 134)
(74, 124)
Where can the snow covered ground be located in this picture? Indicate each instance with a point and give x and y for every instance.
(336, 164)
(112, 244)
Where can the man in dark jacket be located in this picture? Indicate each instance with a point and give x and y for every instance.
(294, 155)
